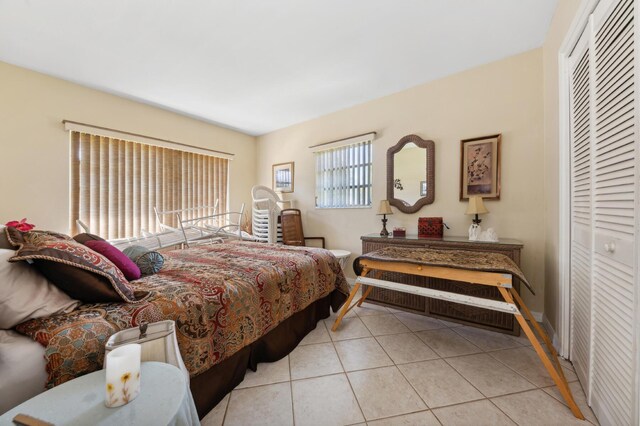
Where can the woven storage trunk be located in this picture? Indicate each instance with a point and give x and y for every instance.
(430, 227)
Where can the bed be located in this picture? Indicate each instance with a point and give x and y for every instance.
(234, 304)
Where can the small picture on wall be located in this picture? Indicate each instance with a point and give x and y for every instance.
(480, 167)
(283, 177)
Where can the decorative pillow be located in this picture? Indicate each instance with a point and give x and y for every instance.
(76, 269)
(17, 238)
(26, 294)
(84, 237)
(4, 241)
(126, 265)
(149, 262)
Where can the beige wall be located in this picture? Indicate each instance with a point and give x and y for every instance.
(562, 19)
(502, 97)
(517, 97)
(34, 147)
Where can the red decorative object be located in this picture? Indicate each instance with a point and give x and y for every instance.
(399, 232)
(20, 225)
(430, 227)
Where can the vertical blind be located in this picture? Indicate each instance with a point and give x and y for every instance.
(343, 176)
(115, 184)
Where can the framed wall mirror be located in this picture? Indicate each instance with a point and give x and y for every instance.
(411, 174)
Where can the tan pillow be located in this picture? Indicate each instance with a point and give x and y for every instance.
(25, 293)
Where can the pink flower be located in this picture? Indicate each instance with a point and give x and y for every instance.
(21, 225)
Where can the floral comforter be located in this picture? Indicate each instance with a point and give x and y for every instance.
(222, 298)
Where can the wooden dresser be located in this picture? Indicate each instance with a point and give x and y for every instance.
(478, 317)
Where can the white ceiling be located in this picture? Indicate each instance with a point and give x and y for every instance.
(260, 65)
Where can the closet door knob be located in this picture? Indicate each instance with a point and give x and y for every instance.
(610, 247)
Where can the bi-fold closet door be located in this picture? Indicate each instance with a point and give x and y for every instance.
(581, 209)
(604, 212)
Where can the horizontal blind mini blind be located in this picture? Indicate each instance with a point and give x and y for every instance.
(343, 176)
(115, 184)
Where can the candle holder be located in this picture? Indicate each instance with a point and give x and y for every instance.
(123, 375)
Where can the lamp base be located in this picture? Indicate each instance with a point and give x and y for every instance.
(384, 232)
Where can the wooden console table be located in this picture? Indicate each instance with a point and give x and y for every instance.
(479, 317)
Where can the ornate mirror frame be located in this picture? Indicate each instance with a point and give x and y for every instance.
(429, 146)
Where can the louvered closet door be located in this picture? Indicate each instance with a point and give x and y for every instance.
(613, 356)
(581, 207)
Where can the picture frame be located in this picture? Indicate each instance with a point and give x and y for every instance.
(480, 167)
(283, 177)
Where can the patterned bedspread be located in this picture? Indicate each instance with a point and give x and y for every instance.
(222, 298)
(461, 259)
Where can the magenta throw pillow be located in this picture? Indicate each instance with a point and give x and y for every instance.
(118, 258)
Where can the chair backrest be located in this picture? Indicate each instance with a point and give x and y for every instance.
(291, 221)
(264, 197)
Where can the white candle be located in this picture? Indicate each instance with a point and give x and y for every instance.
(123, 375)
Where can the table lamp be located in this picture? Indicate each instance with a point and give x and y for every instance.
(384, 210)
(475, 207)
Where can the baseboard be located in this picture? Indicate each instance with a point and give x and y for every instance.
(538, 316)
(550, 331)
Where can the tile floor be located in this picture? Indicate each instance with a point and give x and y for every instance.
(387, 367)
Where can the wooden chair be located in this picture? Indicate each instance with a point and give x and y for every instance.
(292, 233)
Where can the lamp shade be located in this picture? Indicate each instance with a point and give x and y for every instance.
(384, 208)
(476, 206)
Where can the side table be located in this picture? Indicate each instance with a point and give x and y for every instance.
(342, 256)
(164, 400)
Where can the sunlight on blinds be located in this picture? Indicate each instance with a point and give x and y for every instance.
(343, 176)
(115, 184)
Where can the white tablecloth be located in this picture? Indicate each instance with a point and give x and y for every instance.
(164, 399)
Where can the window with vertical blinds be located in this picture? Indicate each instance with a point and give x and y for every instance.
(115, 184)
(343, 176)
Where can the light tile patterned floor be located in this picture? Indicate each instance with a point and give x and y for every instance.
(387, 367)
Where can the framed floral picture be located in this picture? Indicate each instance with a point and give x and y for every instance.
(480, 167)
(283, 177)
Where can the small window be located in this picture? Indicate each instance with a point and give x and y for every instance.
(343, 176)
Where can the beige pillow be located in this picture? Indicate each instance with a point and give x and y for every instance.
(25, 293)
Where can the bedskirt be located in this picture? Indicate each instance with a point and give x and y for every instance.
(210, 387)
